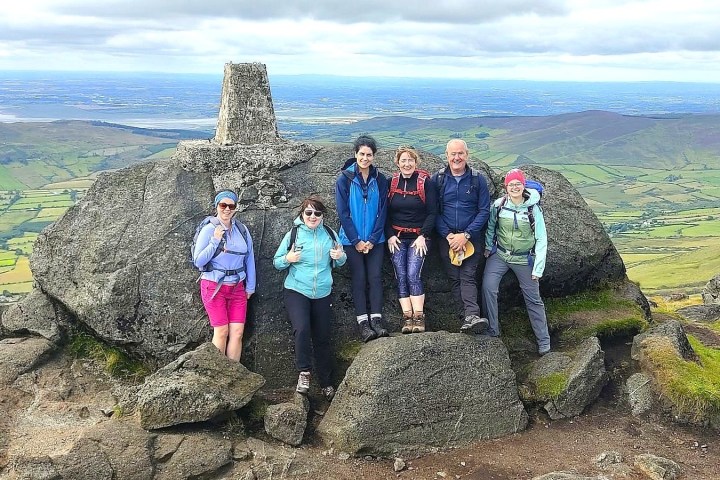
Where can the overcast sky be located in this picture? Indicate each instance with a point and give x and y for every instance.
(675, 40)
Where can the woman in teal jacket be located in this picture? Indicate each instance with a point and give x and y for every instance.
(516, 240)
(309, 258)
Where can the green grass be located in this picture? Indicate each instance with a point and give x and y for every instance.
(694, 388)
(113, 360)
(628, 326)
(551, 386)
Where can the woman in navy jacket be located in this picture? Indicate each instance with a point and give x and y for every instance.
(361, 196)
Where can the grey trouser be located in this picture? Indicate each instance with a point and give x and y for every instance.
(462, 278)
(495, 268)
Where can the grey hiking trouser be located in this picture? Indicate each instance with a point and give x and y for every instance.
(462, 278)
(495, 268)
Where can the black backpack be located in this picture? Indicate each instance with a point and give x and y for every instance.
(293, 236)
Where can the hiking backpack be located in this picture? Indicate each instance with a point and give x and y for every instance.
(423, 176)
(221, 246)
(531, 216)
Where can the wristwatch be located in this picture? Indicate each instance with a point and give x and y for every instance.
(467, 235)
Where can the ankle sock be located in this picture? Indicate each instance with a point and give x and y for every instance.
(362, 318)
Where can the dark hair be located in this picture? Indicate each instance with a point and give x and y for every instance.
(312, 201)
(365, 141)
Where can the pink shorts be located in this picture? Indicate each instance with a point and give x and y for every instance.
(229, 304)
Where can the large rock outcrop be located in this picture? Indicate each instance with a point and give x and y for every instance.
(118, 261)
(410, 393)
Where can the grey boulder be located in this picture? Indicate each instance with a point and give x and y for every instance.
(196, 387)
(411, 393)
(287, 421)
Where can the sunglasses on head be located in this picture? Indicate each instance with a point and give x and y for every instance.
(224, 205)
(309, 213)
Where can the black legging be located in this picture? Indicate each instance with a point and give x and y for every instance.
(310, 320)
(366, 275)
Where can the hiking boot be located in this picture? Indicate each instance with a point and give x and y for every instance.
(376, 324)
(328, 392)
(367, 333)
(419, 323)
(544, 350)
(407, 325)
(474, 324)
(303, 384)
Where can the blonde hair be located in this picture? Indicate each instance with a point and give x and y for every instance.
(406, 149)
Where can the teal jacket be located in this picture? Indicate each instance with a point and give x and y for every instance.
(312, 274)
(511, 228)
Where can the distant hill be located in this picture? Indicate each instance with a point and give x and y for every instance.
(688, 142)
(36, 154)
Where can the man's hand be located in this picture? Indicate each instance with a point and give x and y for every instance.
(457, 241)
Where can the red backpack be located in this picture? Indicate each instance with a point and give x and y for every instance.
(423, 175)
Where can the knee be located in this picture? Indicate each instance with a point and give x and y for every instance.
(221, 332)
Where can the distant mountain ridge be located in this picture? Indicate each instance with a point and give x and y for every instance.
(595, 136)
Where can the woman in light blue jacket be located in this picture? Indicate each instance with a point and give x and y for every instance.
(516, 240)
(309, 258)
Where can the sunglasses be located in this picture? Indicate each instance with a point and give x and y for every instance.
(223, 206)
(309, 213)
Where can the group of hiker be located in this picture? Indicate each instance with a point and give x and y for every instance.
(408, 211)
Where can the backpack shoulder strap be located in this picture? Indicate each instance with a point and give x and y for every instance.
(394, 182)
(329, 232)
(293, 236)
(423, 175)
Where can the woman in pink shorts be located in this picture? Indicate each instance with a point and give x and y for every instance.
(224, 253)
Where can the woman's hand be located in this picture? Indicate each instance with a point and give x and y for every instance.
(293, 256)
(249, 294)
(420, 246)
(336, 252)
(535, 277)
(487, 253)
(393, 244)
(219, 231)
(360, 246)
(368, 246)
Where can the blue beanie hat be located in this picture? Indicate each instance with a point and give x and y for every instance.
(225, 194)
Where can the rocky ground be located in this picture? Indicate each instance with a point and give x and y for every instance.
(45, 411)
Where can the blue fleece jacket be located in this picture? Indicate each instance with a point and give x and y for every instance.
(361, 206)
(206, 245)
(312, 274)
(465, 207)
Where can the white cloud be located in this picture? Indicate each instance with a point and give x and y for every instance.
(531, 39)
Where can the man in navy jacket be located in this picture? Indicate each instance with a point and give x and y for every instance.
(464, 202)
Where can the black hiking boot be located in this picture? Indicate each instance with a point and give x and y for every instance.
(377, 325)
(367, 333)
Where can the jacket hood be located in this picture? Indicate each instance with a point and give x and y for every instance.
(533, 199)
(351, 166)
(298, 222)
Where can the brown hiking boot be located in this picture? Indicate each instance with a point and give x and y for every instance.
(419, 323)
(407, 323)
